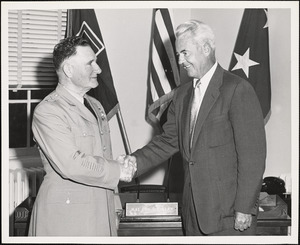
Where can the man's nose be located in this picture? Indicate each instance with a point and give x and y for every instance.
(180, 59)
(97, 69)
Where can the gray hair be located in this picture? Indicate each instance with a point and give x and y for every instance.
(197, 31)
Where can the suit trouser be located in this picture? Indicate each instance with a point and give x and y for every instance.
(192, 228)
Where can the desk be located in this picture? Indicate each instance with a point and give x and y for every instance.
(264, 227)
(150, 229)
(267, 224)
(267, 227)
(274, 220)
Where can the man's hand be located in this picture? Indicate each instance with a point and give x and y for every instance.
(242, 221)
(130, 160)
(127, 168)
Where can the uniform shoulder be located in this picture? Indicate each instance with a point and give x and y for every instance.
(53, 96)
(49, 101)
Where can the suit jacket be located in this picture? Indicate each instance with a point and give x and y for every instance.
(76, 197)
(225, 166)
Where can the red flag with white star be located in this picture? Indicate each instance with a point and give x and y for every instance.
(83, 22)
(250, 59)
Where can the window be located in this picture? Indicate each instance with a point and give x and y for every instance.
(32, 35)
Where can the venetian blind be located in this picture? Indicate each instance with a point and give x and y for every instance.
(32, 36)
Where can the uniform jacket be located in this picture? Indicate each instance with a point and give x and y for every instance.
(76, 197)
(225, 166)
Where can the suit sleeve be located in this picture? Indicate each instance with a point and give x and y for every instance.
(161, 147)
(249, 134)
(57, 143)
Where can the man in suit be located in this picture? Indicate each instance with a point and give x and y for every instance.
(76, 197)
(223, 149)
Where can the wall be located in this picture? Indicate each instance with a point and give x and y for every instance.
(126, 33)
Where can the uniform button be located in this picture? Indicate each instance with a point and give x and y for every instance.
(102, 116)
(104, 148)
(101, 132)
(84, 134)
(68, 201)
(192, 163)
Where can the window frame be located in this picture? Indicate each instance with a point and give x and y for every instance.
(27, 50)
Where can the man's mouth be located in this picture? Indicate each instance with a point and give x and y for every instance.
(186, 66)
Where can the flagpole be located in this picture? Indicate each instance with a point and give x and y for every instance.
(127, 146)
(69, 23)
(123, 132)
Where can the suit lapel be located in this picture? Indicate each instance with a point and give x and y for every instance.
(211, 95)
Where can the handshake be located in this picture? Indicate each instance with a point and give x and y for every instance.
(128, 167)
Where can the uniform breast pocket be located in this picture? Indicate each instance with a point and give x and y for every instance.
(219, 131)
(84, 138)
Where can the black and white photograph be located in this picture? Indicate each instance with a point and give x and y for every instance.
(150, 122)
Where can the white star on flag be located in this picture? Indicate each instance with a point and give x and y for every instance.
(243, 62)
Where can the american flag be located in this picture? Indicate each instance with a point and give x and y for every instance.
(164, 70)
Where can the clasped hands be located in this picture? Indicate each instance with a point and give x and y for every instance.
(128, 167)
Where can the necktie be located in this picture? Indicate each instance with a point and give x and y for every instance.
(195, 108)
(87, 105)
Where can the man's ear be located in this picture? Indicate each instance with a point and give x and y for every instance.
(206, 48)
(68, 69)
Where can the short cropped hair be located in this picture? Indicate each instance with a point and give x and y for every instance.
(67, 48)
(198, 31)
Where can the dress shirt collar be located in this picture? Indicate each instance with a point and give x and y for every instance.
(206, 78)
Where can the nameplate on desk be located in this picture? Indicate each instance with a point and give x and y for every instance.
(151, 209)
